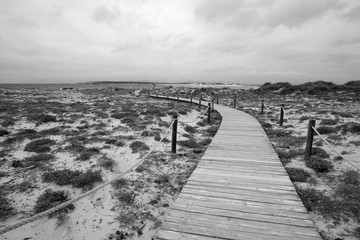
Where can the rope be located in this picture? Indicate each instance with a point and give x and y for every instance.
(287, 117)
(200, 116)
(60, 206)
(335, 149)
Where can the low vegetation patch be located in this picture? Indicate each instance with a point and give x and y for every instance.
(40, 145)
(190, 143)
(298, 174)
(87, 153)
(4, 132)
(6, 209)
(42, 118)
(329, 122)
(319, 164)
(138, 146)
(49, 199)
(190, 129)
(319, 152)
(75, 178)
(326, 130)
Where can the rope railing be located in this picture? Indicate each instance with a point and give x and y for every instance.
(334, 149)
(63, 205)
(198, 117)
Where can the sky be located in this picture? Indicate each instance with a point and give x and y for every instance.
(229, 41)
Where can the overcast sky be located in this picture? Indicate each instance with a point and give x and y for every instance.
(244, 41)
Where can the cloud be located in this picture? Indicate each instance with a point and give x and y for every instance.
(258, 14)
(104, 14)
(353, 14)
(341, 58)
(30, 52)
(346, 42)
(23, 22)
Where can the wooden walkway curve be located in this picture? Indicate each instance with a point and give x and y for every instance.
(240, 190)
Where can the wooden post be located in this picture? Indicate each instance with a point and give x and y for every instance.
(191, 100)
(217, 100)
(281, 115)
(209, 110)
(310, 138)
(174, 133)
(200, 103)
(234, 102)
(213, 105)
(262, 106)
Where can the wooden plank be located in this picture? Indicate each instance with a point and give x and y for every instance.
(227, 222)
(252, 216)
(250, 203)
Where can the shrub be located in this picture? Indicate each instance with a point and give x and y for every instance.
(326, 130)
(342, 114)
(319, 164)
(298, 174)
(211, 131)
(146, 134)
(87, 153)
(6, 209)
(127, 120)
(352, 127)
(315, 200)
(49, 199)
(110, 141)
(351, 177)
(107, 163)
(120, 143)
(138, 146)
(190, 143)
(50, 131)
(75, 178)
(9, 121)
(3, 132)
(38, 159)
(42, 118)
(120, 183)
(26, 131)
(319, 152)
(190, 129)
(206, 141)
(329, 122)
(163, 179)
(349, 195)
(39, 146)
(126, 197)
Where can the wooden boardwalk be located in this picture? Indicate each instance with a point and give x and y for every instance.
(240, 190)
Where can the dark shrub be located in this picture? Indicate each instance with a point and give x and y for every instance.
(126, 197)
(75, 178)
(39, 159)
(107, 163)
(40, 145)
(298, 174)
(50, 199)
(138, 146)
(319, 152)
(352, 127)
(190, 129)
(319, 164)
(3, 132)
(146, 133)
(9, 121)
(42, 118)
(127, 120)
(326, 130)
(87, 153)
(211, 131)
(315, 200)
(26, 131)
(351, 177)
(329, 122)
(190, 143)
(6, 209)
